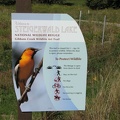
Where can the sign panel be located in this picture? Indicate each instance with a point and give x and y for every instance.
(55, 42)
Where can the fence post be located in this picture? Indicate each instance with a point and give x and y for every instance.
(23, 6)
(103, 35)
(80, 17)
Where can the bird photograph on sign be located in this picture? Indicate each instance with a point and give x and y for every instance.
(23, 64)
(27, 63)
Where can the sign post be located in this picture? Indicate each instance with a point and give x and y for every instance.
(23, 6)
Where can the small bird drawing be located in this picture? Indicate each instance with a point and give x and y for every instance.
(24, 68)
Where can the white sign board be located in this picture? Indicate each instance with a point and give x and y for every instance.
(61, 82)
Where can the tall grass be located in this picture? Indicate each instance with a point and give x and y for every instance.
(104, 103)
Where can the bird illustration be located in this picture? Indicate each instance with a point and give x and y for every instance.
(24, 68)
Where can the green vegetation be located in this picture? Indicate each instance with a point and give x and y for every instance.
(103, 80)
(48, 1)
(101, 4)
(7, 2)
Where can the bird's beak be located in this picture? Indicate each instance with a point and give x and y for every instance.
(38, 49)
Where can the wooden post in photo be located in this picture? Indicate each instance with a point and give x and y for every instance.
(23, 6)
(24, 115)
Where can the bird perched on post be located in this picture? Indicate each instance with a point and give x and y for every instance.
(24, 68)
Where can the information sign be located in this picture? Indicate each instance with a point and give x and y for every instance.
(57, 41)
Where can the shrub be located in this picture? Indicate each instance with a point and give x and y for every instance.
(48, 1)
(8, 2)
(101, 4)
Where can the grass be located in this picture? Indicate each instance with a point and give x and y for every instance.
(103, 103)
(103, 80)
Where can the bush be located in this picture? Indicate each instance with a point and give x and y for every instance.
(8, 2)
(97, 4)
(114, 3)
(101, 4)
(48, 1)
